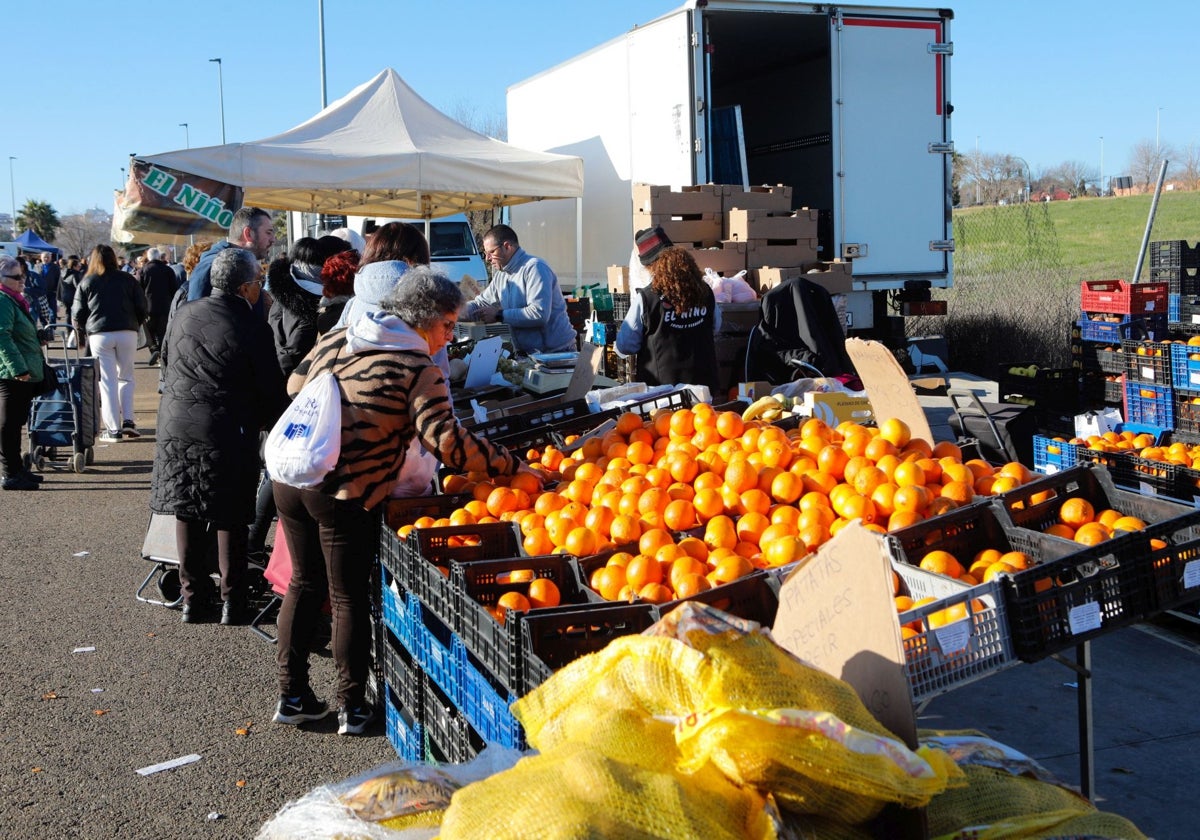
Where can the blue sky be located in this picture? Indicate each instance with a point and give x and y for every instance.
(93, 80)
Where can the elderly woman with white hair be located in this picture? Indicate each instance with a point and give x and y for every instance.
(221, 386)
(392, 393)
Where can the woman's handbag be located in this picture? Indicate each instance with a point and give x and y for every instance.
(305, 442)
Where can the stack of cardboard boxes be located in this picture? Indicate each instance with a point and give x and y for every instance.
(730, 229)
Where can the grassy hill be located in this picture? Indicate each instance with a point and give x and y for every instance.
(1098, 238)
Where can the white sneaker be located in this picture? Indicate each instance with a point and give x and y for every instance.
(110, 436)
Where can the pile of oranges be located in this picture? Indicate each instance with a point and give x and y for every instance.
(1078, 520)
(692, 498)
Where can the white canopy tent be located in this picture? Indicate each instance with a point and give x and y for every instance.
(382, 150)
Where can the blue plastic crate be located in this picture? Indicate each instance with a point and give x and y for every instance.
(435, 649)
(1154, 328)
(403, 733)
(1185, 371)
(1173, 309)
(1050, 456)
(486, 706)
(1151, 405)
(395, 609)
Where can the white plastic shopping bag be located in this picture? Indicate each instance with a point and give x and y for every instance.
(305, 442)
(416, 478)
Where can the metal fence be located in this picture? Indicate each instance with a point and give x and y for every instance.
(1012, 300)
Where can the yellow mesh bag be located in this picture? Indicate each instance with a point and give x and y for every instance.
(812, 762)
(992, 796)
(813, 827)
(1053, 825)
(651, 676)
(574, 792)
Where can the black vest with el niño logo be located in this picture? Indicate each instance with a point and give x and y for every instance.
(678, 347)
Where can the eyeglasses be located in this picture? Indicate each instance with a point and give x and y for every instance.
(448, 327)
(12, 276)
(491, 252)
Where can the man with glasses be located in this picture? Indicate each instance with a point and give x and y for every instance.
(523, 293)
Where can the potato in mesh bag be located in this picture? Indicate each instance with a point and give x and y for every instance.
(813, 762)
(574, 791)
(652, 676)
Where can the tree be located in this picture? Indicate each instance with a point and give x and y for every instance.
(1145, 160)
(1072, 176)
(82, 232)
(1189, 166)
(39, 217)
(492, 125)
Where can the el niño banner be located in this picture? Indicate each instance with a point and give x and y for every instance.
(162, 200)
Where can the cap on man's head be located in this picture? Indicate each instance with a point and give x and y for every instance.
(650, 243)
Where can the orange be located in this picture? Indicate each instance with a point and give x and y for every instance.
(582, 541)
(577, 491)
(998, 568)
(779, 531)
(819, 480)
(832, 460)
(908, 474)
(640, 452)
(548, 502)
(755, 501)
(1091, 533)
(1108, 517)
(653, 499)
(878, 447)
(784, 550)
(681, 467)
(853, 466)
(942, 563)
(627, 422)
(740, 475)
(984, 485)
(683, 422)
(912, 497)
(543, 592)
(679, 515)
(789, 514)
(979, 466)
(694, 547)
(642, 570)
(959, 492)
(619, 558)
(884, 498)
(708, 503)
(1076, 512)
(730, 425)
(600, 520)
(668, 554)
(751, 525)
(537, 541)
(512, 601)
(1060, 530)
(682, 567)
(624, 528)
(776, 453)
(1128, 523)
(654, 539)
(1016, 470)
(1001, 484)
(895, 431)
(462, 516)
(720, 532)
(524, 481)
(732, 568)
(786, 487)
(689, 585)
(902, 519)
(947, 449)
(817, 515)
(867, 479)
(813, 534)
(856, 442)
(1019, 560)
(655, 593)
(558, 526)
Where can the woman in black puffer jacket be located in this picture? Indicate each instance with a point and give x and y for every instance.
(294, 283)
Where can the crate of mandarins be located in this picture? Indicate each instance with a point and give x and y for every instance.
(557, 636)
(952, 639)
(488, 592)
(432, 549)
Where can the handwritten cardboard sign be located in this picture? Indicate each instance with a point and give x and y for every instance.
(887, 386)
(836, 613)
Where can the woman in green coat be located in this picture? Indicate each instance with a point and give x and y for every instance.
(20, 374)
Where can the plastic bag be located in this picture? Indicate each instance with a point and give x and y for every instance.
(733, 289)
(416, 479)
(305, 442)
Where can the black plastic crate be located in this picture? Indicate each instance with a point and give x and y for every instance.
(393, 552)
(750, 597)
(1061, 603)
(550, 415)
(1148, 362)
(1086, 481)
(1173, 554)
(554, 637)
(1047, 388)
(581, 425)
(402, 674)
(534, 438)
(433, 550)
(443, 726)
(620, 305)
(478, 587)
(1174, 253)
(672, 400)
(1185, 281)
(496, 427)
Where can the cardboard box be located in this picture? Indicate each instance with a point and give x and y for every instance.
(763, 252)
(727, 259)
(753, 390)
(745, 225)
(685, 201)
(777, 198)
(836, 277)
(702, 228)
(618, 279)
(836, 408)
(766, 278)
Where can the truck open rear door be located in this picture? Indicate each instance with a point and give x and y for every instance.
(890, 70)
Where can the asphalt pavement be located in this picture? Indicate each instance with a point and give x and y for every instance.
(95, 685)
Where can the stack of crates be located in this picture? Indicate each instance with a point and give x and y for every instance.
(1118, 339)
(1177, 264)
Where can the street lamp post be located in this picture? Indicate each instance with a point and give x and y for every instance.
(221, 93)
(187, 137)
(1157, 125)
(13, 190)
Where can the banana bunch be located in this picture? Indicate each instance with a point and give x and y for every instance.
(768, 408)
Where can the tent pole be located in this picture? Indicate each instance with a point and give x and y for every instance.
(578, 241)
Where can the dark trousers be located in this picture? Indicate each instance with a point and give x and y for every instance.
(332, 544)
(195, 540)
(264, 515)
(15, 399)
(156, 328)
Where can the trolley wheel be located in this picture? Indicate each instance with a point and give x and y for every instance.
(89, 456)
(79, 462)
(39, 460)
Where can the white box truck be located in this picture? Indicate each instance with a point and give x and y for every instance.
(850, 106)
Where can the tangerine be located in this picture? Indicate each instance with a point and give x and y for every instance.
(1076, 512)
(543, 592)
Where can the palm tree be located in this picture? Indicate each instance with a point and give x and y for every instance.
(39, 217)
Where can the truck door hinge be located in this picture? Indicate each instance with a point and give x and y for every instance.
(946, 48)
(945, 147)
(941, 245)
(698, 146)
(695, 39)
(699, 106)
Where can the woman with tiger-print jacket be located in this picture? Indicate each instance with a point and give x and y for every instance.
(392, 393)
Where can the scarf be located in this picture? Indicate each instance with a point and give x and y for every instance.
(19, 298)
